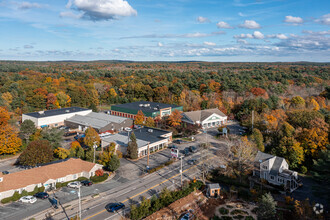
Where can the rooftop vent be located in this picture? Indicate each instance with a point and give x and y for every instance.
(141, 105)
(155, 108)
(145, 105)
(67, 110)
(150, 130)
(41, 112)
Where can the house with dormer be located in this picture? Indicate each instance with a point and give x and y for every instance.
(276, 171)
(207, 118)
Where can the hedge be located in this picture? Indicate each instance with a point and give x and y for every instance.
(98, 179)
(161, 166)
(166, 197)
(16, 196)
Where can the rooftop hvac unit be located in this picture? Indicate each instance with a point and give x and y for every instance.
(150, 130)
(67, 110)
(41, 112)
(145, 105)
(155, 108)
(141, 105)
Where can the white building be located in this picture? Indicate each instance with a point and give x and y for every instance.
(156, 138)
(55, 117)
(207, 118)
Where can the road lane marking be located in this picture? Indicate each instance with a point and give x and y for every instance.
(89, 217)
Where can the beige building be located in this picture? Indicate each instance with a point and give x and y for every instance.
(47, 176)
(207, 118)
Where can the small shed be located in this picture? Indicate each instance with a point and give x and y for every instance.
(213, 189)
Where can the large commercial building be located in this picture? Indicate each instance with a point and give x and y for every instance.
(207, 118)
(149, 109)
(156, 138)
(47, 176)
(101, 122)
(55, 117)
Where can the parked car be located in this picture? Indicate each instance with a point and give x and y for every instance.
(187, 216)
(178, 141)
(186, 151)
(28, 199)
(172, 146)
(112, 207)
(5, 172)
(86, 183)
(193, 149)
(41, 195)
(75, 184)
(69, 134)
(192, 162)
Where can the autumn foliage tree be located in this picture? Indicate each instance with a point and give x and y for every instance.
(37, 152)
(139, 118)
(174, 119)
(91, 137)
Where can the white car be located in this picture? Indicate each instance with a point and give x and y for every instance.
(75, 184)
(28, 199)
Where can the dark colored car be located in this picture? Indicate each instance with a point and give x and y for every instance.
(193, 149)
(172, 147)
(5, 172)
(86, 183)
(41, 195)
(192, 162)
(112, 207)
(53, 202)
(186, 151)
(70, 134)
(178, 141)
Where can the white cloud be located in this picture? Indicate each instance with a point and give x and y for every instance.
(160, 44)
(317, 32)
(258, 35)
(250, 24)
(28, 46)
(209, 43)
(102, 9)
(29, 5)
(187, 35)
(201, 19)
(325, 19)
(70, 14)
(222, 24)
(278, 36)
(241, 41)
(293, 20)
(241, 14)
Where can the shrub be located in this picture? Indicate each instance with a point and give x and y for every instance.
(16, 196)
(58, 185)
(82, 178)
(303, 169)
(223, 211)
(249, 218)
(99, 172)
(24, 193)
(239, 212)
(98, 179)
(239, 217)
(41, 189)
(34, 191)
(6, 200)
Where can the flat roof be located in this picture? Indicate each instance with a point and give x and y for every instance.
(96, 120)
(143, 136)
(141, 105)
(54, 112)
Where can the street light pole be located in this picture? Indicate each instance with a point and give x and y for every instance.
(94, 147)
(79, 203)
(181, 169)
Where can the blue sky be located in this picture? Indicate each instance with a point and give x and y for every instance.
(166, 30)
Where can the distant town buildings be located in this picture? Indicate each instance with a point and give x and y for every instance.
(206, 118)
(156, 138)
(55, 117)
(149, 109)
(47, 176)
(101, 122)
(276, 171)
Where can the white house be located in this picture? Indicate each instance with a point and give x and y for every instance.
(55, 117)
(47, 176)
(276, 171)
(206, 118)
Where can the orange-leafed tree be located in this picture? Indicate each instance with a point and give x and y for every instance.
(174, 119)
(51, 101)
(139, 118)
(99, 172)
(150, 122)
(4, 116)
(91, 137)
(258, 91)
(10, 143)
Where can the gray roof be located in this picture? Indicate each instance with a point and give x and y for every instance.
(276, 166)
(261, 157)
(201, 115)
(153, 106)
(143, 136)
(214, 186)
(54, 112)
(96, 120)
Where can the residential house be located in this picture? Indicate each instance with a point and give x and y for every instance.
(46, 175)
(276, 171)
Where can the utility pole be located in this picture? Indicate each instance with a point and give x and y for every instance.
(252, 118)
(79, 203)
(94, 147)
(181, 169)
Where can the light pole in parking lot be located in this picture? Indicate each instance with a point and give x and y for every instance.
(181, 158)
(94, 147)
(79, 203)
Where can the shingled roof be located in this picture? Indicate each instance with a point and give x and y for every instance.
(42, 174)
(201, 115)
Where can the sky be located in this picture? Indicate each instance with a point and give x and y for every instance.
(165, 30)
